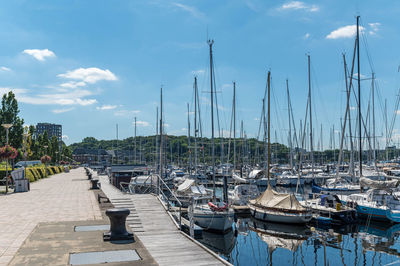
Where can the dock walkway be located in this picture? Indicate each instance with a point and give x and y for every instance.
(61, 197)
(154, 227)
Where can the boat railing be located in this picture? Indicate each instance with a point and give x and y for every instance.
(124, 186)
(160, 187)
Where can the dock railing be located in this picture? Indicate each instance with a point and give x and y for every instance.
(160, 189)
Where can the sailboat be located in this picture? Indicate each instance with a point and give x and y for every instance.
(272, 206)
(210, 213)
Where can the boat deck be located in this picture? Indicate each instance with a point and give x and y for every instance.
(154, 227)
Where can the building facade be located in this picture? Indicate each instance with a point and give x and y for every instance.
(52, 130)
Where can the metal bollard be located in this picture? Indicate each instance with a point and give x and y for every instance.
(94, 183)
(117, 225)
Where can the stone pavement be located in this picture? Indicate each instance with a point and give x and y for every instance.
(61, 197)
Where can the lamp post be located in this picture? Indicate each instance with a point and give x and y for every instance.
(26, 135)
(7, 127)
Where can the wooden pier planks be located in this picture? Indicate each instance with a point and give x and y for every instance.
(152, 224)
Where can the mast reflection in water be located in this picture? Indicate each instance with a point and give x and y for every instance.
(253, 242)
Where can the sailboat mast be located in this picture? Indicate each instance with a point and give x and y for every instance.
(195, 126)
(190, 151)
(269, 125)
(311, 129)
(359, 95)
(373, 117)
(234, 126)
(290, 127)
(161, 135)
(210, 43)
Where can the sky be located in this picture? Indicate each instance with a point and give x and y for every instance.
(90, 65)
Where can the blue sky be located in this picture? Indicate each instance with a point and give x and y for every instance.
(89, 65)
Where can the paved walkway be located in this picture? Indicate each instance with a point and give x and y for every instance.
(154, 227)
(62, 197)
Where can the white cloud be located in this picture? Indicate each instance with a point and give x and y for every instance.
(65, 137)
(106, 107)
(126, 112)
(352, 108)
(141, 123)
(73, 84)
(374, 28)
(298, 5)
(5, 69)
(306, 36)
(348, 31)
(190, 9)
(89, 75)
(198, 72)
(73, 97)
(397, 112)
(355, 75)
(38, 54)
(59, 111)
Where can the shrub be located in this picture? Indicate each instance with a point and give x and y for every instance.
(30, 175)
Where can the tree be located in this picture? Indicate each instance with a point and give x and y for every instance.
(9, 115)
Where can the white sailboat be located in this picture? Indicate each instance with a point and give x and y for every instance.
(272, 206)
(207, 212)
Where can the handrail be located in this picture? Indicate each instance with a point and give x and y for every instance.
(173, 194)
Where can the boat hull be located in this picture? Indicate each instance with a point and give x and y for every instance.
(279, 217)
(216, 221)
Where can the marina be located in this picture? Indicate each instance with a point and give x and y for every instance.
(199, 133)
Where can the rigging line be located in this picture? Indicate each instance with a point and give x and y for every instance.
(364, 39)
(362, 118)
(276, 111)
(394, 116)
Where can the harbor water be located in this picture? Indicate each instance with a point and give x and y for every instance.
(253, 242)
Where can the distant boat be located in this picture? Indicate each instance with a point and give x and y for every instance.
(241, 194)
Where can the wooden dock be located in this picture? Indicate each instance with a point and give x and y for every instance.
(154, 227)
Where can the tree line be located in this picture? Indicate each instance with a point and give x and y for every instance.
(24, 139)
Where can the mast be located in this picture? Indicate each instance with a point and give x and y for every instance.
(373, 118)
(290, 128)
(234, 127)
(156, 151)
(311, 129)
(161, 136)
(210, 43)
(269, 125)
(195, 126)
(190, 152)
(135, 142)
(359, 95)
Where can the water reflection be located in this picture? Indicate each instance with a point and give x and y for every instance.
(253, 242)
(220, 243)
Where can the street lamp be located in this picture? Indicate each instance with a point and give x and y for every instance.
(26, 135)
(7, 127)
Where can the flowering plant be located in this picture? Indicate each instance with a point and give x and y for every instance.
(63, 162)
(8, 152)
(45, 159)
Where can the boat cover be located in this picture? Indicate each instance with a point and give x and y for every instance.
(256, 174)
(239, 179)
(273, 199)
(366, 182)
(185, 185)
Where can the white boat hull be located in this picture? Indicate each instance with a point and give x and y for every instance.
(217, 221)
(280, 217)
